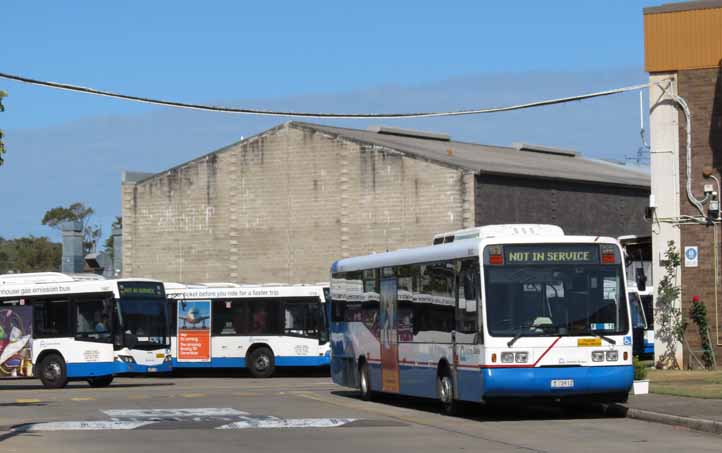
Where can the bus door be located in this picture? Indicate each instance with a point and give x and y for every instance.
(16, 341)
(388, 332)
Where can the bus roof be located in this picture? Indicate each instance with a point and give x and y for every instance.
(452, 250)
(49, 283)
(235, 291)
(489, 231)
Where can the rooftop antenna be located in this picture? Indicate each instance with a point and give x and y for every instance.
(642, 156)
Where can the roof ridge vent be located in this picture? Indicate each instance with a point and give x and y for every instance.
(410, 133)
(520, 146)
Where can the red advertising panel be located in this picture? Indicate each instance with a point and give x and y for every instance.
(194, 331)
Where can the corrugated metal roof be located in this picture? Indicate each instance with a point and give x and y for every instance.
(493, 159)
(683, 6)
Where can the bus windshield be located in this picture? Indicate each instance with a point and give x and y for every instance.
(583, 297)
(146, 319)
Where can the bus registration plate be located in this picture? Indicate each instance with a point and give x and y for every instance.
(152, 369)
(562, 383)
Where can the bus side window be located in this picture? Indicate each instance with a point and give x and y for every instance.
(51, 319)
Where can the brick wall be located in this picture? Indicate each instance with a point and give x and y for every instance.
(579, 208)
(282, 206)
(702, 89)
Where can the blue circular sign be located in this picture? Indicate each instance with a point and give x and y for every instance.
(691, 253)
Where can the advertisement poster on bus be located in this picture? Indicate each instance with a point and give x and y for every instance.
(389, 337)
(16, 323)
(194, 331)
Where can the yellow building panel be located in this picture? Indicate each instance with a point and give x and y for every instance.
(683, 40)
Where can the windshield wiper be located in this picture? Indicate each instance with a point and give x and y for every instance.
(605, 338)
(518, 335)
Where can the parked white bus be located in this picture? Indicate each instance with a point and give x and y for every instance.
(62, 327)
(259, 327)
(508, 313)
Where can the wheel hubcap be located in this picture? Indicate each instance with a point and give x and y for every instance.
(364, 384)
(445, 390)
(52, 371)
(262, 362)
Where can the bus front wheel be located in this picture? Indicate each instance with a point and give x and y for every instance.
(53, 372)
(102, 381)
(364, 383)
(261, 362)
(449, 405)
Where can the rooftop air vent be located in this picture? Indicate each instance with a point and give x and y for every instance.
(410, 133)
(544, 149)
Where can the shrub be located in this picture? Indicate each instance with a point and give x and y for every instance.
(640, 369)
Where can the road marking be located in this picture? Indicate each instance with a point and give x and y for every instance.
(27, 401)
(192, 395)
(192, 414)
(80, 426)
(274, 422)
(83, 398)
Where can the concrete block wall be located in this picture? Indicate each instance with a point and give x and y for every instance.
(282, 206)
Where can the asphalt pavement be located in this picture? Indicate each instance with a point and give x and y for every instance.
(299, 413)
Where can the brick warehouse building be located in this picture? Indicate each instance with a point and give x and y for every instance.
(683, 44)
(283, 205)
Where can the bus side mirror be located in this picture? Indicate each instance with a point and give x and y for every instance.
(130, 341)
(641, 279)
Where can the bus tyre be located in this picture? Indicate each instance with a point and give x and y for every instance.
(53, 372)
(261, 362)
(363, 383)
(449, 406)
(102, 381)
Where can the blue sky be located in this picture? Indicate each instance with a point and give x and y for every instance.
(380, 56)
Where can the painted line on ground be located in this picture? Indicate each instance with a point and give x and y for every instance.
(188, 414)
(99, 425)
(28, 401)
(83, 398)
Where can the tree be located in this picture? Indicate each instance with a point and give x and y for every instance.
(78, 212)
(670, 326)
(29, 254)
(2, 145)
(108, 245)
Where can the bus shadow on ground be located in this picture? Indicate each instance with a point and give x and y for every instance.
(501, 412)
(84, 385)
(281, 372)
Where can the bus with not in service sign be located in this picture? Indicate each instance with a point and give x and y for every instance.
(507, 313)
(62, 327)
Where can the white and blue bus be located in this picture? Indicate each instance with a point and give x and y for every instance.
(61, 327)
(507, 313)
(259, 327)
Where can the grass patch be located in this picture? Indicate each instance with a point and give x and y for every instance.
(696, 384)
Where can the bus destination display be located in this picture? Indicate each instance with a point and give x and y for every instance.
(551, 254)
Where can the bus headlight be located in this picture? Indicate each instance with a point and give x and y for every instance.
(521, 357)
(597, 356)
(126, 358)
(507, 357)
(612, 356)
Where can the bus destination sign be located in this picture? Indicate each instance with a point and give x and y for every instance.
(552, 254)
(141, 290)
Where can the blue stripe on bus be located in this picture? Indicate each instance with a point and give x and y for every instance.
(474, 385)
(93, 369)
(502, 382)
(240, 362)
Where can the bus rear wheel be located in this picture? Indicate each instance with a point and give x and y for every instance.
(261, 362)
(364, 384)
(102, 381)
(53, 372)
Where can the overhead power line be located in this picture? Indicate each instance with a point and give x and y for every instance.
(248, 111)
